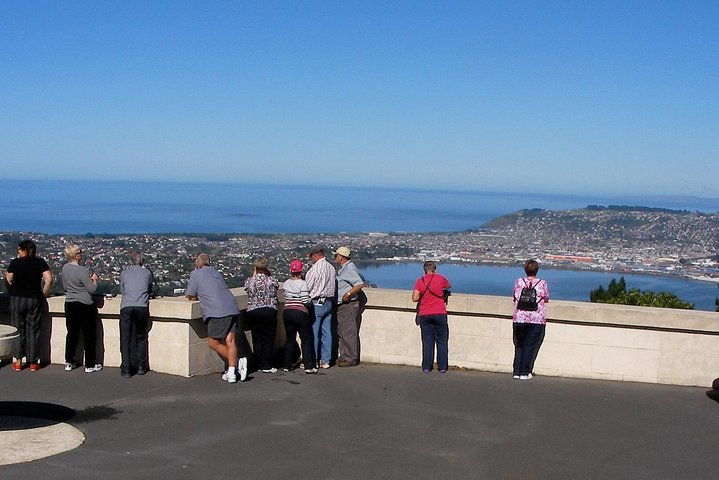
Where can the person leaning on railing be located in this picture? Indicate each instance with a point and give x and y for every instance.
(28, 281)
(135, 287)
(80, 310)
(429, 295)
(261, 289)
(530, 295)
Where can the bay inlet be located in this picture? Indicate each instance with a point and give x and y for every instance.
(138, 208)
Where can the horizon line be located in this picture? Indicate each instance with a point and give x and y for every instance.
(359, 186)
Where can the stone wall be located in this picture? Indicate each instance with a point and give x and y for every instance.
(583, 340)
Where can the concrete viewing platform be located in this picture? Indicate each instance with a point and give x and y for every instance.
(621, 392)
(368, 422)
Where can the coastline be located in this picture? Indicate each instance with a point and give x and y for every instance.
(170, 258)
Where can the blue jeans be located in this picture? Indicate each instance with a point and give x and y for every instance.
(322, 330)
(527, 338)
(435, 331)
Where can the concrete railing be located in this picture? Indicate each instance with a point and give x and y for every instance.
(583, 340)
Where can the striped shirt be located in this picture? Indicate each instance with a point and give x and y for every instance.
(321, 279)
(297, 295)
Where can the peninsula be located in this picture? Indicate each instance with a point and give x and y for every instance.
(613, 238)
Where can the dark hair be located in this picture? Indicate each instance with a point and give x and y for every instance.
(531, 267)
(27, 246)
(430, 266)
(317, 250)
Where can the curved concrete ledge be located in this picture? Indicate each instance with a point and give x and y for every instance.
(34, 430)
(26, 443)
(9, 340)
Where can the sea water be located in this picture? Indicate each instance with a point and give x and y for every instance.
(79, 207)
(563, 284)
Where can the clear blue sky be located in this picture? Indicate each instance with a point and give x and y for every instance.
(565, 97)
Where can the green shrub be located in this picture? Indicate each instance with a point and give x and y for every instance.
(617, 293)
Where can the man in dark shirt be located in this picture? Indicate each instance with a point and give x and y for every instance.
(28, 279)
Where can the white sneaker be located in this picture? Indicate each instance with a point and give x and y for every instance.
(69, 367)
(310, 371)
(525, 377)
(516, 377)
(242, 367)
(229, 377)
(269, 370)
(96, 368)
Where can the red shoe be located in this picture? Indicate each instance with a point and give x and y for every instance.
(17, 366)
(34, 367)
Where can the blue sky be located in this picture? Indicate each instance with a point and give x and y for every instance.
(564, 97)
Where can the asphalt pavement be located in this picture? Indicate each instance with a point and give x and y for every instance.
(366, 422)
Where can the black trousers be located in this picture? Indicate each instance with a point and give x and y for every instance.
(296, 321)
(25, 316)
(80, 318)
(263, 325)
(134, 328)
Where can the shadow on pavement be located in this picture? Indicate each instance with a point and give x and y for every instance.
(22, 415)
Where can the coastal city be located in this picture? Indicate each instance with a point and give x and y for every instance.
(615, 239)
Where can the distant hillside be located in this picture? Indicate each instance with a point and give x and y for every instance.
(620, 225)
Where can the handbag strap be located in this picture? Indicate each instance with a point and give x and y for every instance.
(426, 286)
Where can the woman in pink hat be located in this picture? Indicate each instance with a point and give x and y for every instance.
(297, 320)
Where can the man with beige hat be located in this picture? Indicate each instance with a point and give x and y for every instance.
(349, 314)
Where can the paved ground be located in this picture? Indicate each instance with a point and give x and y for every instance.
(367, 422)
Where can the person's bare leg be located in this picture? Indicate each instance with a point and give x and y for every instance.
(231, 349)
(221, 349)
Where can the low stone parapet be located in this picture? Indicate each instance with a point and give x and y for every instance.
(177, 339)
(583, 340)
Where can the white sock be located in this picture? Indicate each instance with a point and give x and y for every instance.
(231, 370)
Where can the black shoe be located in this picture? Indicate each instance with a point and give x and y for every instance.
(141, 371)
(125, 374)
